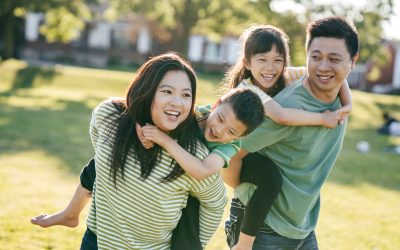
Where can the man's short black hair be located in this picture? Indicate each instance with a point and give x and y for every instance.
(334, 27)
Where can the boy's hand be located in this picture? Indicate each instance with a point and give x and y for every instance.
(154, 134)
(147, 144)
(330, 118)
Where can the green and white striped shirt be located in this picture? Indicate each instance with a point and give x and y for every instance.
(141, 214)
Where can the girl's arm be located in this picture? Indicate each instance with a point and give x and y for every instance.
(346, 101)
(198, 169)
(298, 117)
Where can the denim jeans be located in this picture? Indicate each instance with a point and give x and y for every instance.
(89, 241)
(273, 241)
(266, 239)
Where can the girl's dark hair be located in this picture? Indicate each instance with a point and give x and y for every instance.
(137, 109)
(259, 39)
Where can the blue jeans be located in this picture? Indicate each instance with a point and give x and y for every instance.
(267, 238)
(273, 241)
(89, 241)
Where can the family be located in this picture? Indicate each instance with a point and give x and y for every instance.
(157, 177)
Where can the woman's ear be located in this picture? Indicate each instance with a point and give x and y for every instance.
(216, 104)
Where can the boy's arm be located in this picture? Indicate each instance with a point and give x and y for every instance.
(198, 169)
(298, 117)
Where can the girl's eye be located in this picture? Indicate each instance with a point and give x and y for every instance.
(261, 60)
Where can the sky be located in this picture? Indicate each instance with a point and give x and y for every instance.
(391, 27)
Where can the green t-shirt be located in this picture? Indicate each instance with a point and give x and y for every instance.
(305, 156)
(224, 150)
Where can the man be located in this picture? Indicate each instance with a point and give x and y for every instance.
(305, 155)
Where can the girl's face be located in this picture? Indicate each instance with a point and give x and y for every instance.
(266, 68)
(172, 101)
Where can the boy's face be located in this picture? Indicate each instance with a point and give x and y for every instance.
(222, 125)
(328, 64)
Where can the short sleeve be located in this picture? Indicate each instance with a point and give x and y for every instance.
(226, 151)
(263, 96)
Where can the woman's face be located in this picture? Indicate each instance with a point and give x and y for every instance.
(172, 101)
(266, 68)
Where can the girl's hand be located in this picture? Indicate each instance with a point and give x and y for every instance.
(154, 134)
(330, 118)
(147, 144)
(344, 113)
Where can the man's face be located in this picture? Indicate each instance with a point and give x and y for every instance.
(222, 125)
(328, 64)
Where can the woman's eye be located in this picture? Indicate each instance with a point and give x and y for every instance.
(166, 91)
(187, 95)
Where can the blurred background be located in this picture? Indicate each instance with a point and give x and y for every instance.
(59, 58)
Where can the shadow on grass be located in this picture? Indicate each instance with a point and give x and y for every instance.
(377, 167)
(63, 134)
(29, 76)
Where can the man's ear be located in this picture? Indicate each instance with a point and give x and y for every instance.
(354, 60)
(216, 104)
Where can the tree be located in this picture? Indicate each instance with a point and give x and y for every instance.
(368, 20)
(75, 12)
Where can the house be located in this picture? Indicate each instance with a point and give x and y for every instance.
(129, 41)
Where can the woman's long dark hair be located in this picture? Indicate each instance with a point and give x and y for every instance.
(137, 108)
(259, 39)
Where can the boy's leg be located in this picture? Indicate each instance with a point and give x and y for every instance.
(261, 171)
(68, 217)
(186, 235)
(232, 224)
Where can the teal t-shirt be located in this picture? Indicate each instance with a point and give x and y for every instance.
(224, 150)
(305, 156)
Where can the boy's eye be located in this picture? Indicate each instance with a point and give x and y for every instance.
(231, 132)
(219, 119)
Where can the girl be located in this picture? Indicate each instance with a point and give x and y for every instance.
(262, 67)
(139, 193)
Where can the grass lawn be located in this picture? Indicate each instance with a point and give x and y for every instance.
(44, 119)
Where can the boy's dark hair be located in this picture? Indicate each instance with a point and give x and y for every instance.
(334, 27)
(247, 107)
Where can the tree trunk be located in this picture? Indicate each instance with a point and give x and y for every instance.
(7, 22)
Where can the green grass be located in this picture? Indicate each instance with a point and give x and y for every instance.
(44, 117)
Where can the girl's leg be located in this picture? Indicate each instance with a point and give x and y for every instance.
(186, 235)
(261, 171)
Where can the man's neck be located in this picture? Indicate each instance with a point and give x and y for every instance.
(323, 96)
